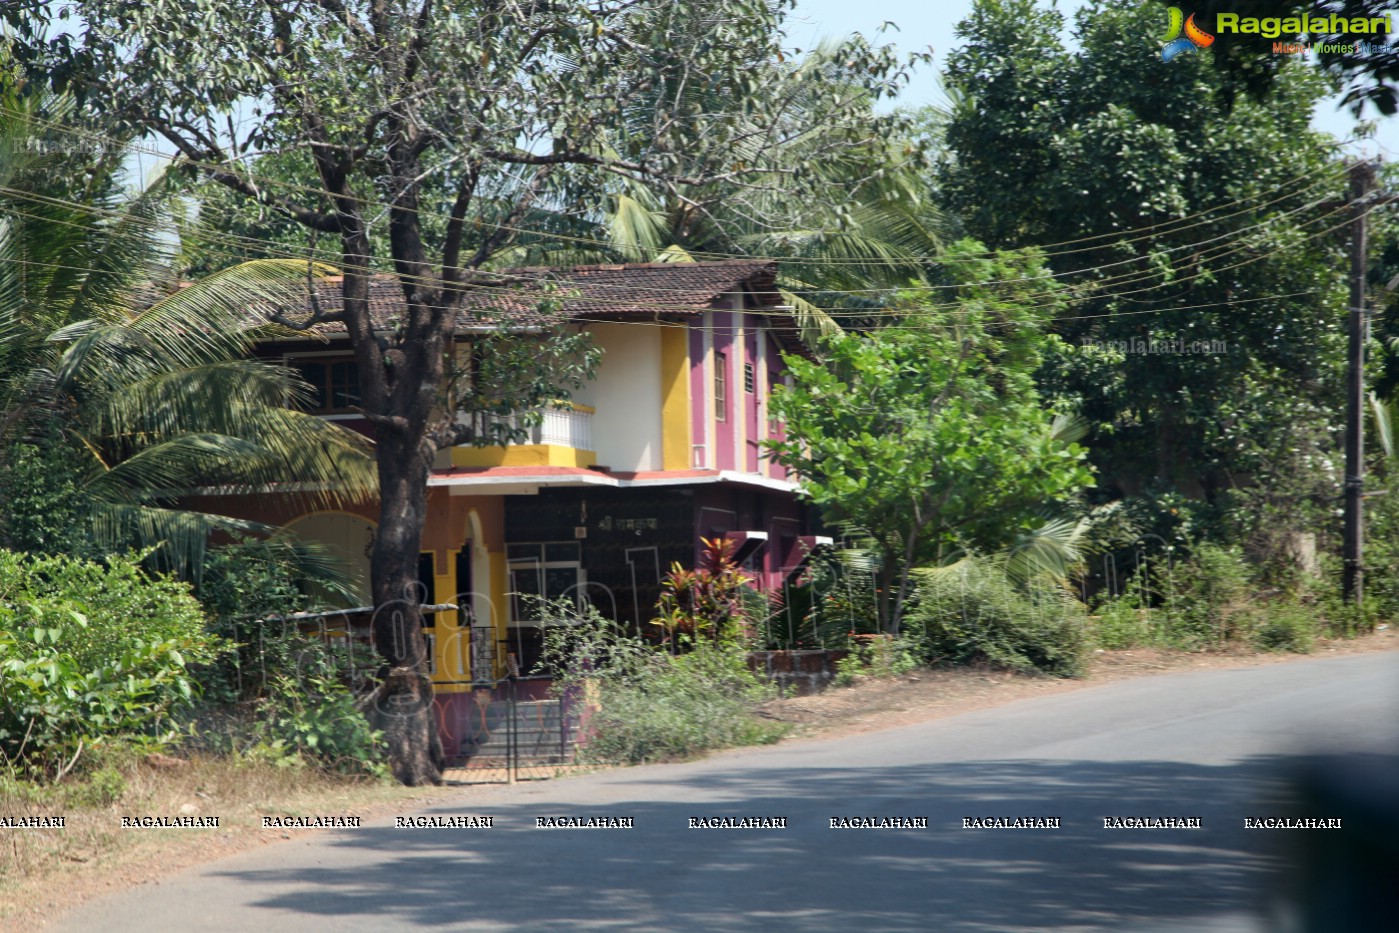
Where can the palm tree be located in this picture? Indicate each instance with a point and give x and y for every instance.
(139, 388)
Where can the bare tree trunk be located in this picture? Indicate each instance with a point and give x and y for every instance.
(401, 705)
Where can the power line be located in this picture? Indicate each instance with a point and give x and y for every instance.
(1068, 300)
(1146, 232)
(1095, 285)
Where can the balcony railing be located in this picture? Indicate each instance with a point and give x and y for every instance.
(562, 427)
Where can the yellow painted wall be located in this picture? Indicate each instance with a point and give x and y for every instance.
(522, 455)
(446, 530)
(675, 404)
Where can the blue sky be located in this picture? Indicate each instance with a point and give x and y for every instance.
(931, 22)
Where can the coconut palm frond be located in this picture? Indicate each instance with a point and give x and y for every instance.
(634, 230)
(225, 313)
(813, 324)
(674, 253)
(1052, 551)
(176, 539)
(165, 471)
(1068, 428)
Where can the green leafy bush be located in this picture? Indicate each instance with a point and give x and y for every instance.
(1213, 602)
(315, 716)
(973, 614)
(652, 705)
(1135, 619)
(89, 651)
(1123, 623)
(1286, 626)
(876, 656)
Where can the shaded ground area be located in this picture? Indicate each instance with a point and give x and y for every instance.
(662, 876)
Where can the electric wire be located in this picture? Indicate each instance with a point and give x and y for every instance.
(1148, 231)
(555, 276)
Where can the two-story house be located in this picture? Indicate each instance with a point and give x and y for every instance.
(660, 449)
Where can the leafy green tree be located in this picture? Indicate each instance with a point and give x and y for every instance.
(497, 101)
(867, 221)
(929, 434)
(1203, 321)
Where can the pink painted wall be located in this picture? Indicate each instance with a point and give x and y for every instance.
(750, 399)
(778, 430)
(724, 430)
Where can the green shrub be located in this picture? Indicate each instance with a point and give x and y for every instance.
(876, 656)
(96, 790)
(679, 707)
(1343, 619)
(652, 705)
(1286, 626)
(1213, 602)
(1123, 623)
(315, 716)
(89, 651)
(116, 599)
(973, 614)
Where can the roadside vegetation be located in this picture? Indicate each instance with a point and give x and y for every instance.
(686, 690)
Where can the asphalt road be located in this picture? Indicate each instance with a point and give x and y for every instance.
(1215, 746)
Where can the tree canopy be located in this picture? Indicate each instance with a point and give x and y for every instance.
(929, 434)
(1199, 248)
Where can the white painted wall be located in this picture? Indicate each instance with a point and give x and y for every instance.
(627, 395)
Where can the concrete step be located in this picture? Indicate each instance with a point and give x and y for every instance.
(537, 725)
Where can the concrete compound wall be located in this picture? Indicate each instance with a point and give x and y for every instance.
(799, 672)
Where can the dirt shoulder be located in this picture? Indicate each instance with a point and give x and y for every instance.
(92, 856)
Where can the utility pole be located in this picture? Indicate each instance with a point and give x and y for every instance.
(1362, 180)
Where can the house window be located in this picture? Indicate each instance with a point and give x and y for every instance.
(721, 381)
(748, 378)
(334, 383)
(547, 571)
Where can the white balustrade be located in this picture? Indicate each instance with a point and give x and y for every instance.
(563, 427)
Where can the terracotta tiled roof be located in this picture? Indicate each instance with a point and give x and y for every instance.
(597, 292)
